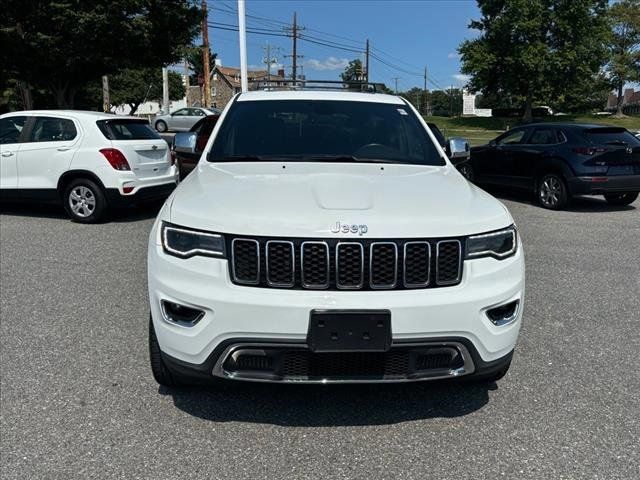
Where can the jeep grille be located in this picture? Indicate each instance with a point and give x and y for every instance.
(316, 264)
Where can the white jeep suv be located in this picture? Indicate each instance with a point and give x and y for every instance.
(325, 237)
(89, 161)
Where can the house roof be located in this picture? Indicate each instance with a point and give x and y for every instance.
(232, 75)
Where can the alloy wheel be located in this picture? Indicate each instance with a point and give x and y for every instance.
(82, 201)
(550, 191)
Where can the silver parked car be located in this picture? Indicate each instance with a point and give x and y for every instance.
(182, 120)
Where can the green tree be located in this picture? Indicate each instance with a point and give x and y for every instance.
(135, 86)
(193, 56)
(535, 49)
(624, 46)
(353, 71)
(61, 45)
(415, 96)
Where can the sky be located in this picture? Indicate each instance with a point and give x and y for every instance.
(405, 36)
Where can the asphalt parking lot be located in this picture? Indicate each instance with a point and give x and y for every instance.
(78, 399)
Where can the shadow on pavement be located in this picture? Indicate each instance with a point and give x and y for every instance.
(331, 405)
(591, 204)
(143, 211)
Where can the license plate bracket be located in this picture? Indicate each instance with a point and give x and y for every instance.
(349, 330)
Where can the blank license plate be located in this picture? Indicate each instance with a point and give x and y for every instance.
(349, 330)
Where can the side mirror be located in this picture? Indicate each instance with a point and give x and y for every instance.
(185, 142)
(492, 143)
(459, 150)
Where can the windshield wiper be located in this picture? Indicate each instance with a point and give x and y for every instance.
(251, 158)
(345, 158)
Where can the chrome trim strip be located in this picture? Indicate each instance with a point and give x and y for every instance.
(218, 370)
(233, 261)
(383, 286)
(293, 264)
(350, 287)
(457, 279)
(328, 268)
(505, 320)
(167, 318)
(404, 265)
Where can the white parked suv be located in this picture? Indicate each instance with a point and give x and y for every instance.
(87, 160)
(324, 237)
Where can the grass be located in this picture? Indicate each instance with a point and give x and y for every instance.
(479, 130)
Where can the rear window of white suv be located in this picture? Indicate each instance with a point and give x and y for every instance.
(127, 129)
(323, 130)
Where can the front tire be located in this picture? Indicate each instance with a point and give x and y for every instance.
(552, 192)
(621, 199)
(161, 126)
(84, 201)
(161, 373)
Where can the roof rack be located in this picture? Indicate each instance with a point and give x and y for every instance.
(348, 85)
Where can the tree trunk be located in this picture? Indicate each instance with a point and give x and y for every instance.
(619, 104)
(25, 93)
(528, 110)
(64, 95)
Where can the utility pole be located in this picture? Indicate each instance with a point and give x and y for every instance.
(295, 29)
(106, 103)
(451, 101)
(242, 33)
(366, 63)
(268, 60)
(396, 79)
(186, 80)
(206, 98)
(165, 90)
(426, 94)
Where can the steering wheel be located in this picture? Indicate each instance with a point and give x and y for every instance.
(376, 149)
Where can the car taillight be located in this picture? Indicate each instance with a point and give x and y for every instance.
(115, 158)
(173, 157)
(589, 150)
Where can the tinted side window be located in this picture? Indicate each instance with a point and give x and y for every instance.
(51, 129)
(11, 129)
(181, 113)
(511, 138)
(438, 134)
(544, 136)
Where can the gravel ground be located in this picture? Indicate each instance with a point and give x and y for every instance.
(78, 399)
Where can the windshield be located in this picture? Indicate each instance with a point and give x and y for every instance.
(323, 130)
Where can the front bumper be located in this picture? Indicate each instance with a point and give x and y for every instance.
(234, 314)
(599, 185)
(360, 367)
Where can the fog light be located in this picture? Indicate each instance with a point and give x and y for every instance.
(181, 314)
(503, 314)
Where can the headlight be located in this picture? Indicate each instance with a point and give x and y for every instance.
(184, 242)
(500, 244)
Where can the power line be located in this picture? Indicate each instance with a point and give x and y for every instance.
(274, 27)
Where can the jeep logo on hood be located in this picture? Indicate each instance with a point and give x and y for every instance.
(346, 228)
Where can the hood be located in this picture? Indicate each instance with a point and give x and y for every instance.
(319, 199)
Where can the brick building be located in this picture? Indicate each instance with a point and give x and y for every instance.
(630, 101)
(225, 82)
